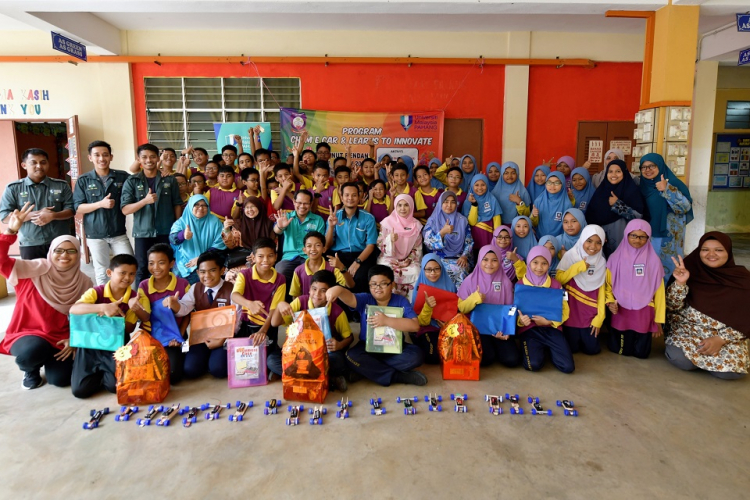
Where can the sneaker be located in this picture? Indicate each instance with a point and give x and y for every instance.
(32, 380)
(413, 377)
(353, 376)
(339, 383)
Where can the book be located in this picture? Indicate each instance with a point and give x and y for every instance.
(384, 339)
(246, 363)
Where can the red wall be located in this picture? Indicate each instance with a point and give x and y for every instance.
(560, 98)
(462, 91)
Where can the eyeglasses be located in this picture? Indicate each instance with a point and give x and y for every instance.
(431, 269)
(201, 205)
(637, 237)
(380, 286)
(502, 237)
(69, 251)
(649, 167)
(182, 184)
(454, 177)
(554, 183)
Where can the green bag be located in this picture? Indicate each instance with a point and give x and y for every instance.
(92, 331)
(384, 339)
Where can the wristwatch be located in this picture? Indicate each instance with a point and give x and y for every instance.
(521, 203)
(358, 260)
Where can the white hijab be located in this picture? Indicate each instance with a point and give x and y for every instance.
(594, 276)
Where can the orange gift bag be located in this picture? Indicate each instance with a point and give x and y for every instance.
(304, 361)
(460, 349)
(142, 370)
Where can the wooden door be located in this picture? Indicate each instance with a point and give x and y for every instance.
(616, 134)
(463, 136)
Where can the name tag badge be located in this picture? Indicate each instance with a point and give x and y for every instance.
(497, 286)
(512, 311)
(221, 301)
(640, 269)
(583, 205)
(407, 229)
(558, 216)
(565, 296)
(590, 271)
(487, 206)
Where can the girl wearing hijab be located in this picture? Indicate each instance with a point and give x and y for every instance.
(248, 223)
(582, 188)
(709, 325)
(552, 244)
(536, 332)
(583, 272)
(669, 208)
(482, 210)
(448, 235)
(637, 299)
(492, 171)
(573, 222)
(502, 244)
(197, 231)
(616, 201)
(536, 184)
(550, 206)
(609, 156)
(565, 165)
(433, 181)
(523, 237)
(39, 332)
(400, 244)
(432, 274)
(509, 192)
(488, 284)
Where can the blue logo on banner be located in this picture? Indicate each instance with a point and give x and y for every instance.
(744, 57)
(407, 121)
(743, 22)
(68, 46)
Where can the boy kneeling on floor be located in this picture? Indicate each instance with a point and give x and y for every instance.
(95, 368)
(384, 369)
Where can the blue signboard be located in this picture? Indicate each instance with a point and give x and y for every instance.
(68, 46)
(743, 22)
(744, 57)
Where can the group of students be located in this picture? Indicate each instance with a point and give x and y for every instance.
(313, 233)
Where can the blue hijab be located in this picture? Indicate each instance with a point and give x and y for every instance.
(657, 206)
(565, 239)
(532, 187)
(466, 181)
(524, 245)
(552, 207)
(443, 283)
(434, 182)
(487, 205)
(503, 190)
(407, 160)
(555, 261)
(453, 243)
(583, 197)
(487, 173)
(206, 235)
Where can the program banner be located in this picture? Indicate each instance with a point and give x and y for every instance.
(419, 135)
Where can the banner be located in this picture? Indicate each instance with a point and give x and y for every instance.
(418, 135)
(225, 131)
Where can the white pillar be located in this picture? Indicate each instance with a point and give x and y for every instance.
(516, 106)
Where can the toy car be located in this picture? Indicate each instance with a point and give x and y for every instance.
(294, 412)
(515, 404)
(317, 415)
(272, 407)
(434, 400)
(214, 411)
(537, 408)
(460, 399)
(125, 413)
(192, 415)
(377, 407)
(494, 401)
(167, 414)
(568, 408)
(409, 408)
(146, 420)
(96, 416)
(344, 411)
(240, 410)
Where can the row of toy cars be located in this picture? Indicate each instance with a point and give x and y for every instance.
(213, 411)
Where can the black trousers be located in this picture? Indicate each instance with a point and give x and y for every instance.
(495, 350)
(32, 353)
(629, 343)
(35, 252)
(141, 254)
(93, 370)
(581, 340)
(428, 343)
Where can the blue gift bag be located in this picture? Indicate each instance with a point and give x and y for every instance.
(92, 331)
(164, 325)
(491, 318)
(538, 301)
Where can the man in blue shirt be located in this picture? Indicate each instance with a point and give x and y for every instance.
(352, 234)
(384, 369)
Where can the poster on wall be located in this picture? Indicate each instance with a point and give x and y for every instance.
(225, 133)
(418, 135)
(731, 166)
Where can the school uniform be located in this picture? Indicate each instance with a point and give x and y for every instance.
(427, 202)
(303, 277)
(380, 368)
(288, 203)
(95, 368)
(324, 199)
(630, 331)
(270, 292)
(379, 209)
(221, 201)
(294, 237)
(200, 358)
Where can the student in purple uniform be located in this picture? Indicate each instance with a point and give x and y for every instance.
(483, 211)
(379, 203)
(222, 197)
(94, 368)
(323, 191)
(314, 246)
(502, 244)
(426, 195)
(283, 196)
(399, 183)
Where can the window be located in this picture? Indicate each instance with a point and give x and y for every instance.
(182, 111)
(738, 115)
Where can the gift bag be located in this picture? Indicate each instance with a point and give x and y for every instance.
(489, 319)
(92, 331)
(211, 324)
(142, 371)
(460, 349)
(447, 302)
(304, 361)
(246, 363)
(320, 316)
(538, 301)
(164, 327)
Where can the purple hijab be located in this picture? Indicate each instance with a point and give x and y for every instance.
(636, 273)
(537, 251)
(510, 271)
(496, 287)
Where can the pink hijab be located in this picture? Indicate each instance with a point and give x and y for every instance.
(636, 273)
(59, 289)
(408, 229)
(496, 287)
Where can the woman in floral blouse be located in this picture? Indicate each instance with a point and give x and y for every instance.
(400, 244)
(706, 303)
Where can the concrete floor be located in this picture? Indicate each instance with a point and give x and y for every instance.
(645, 430)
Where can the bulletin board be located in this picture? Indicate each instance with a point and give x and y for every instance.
(731, 162)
